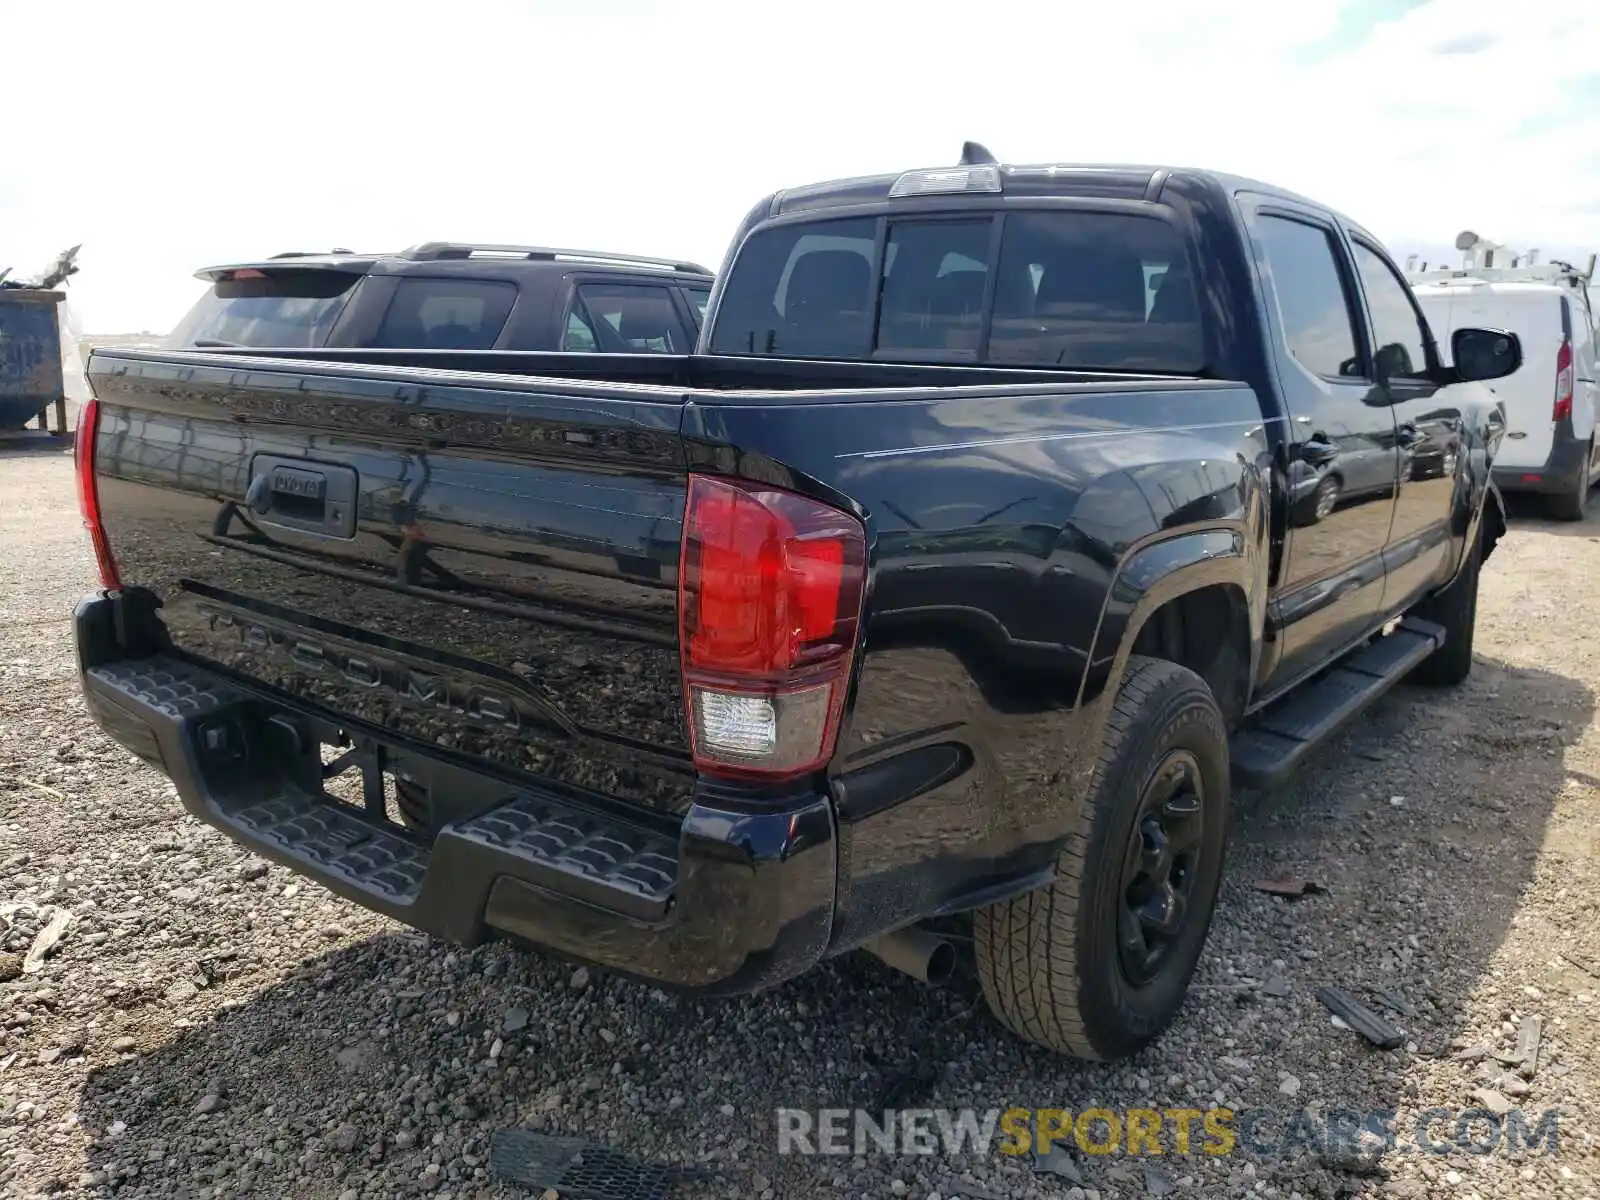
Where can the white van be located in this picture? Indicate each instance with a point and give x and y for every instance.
(1550, 446)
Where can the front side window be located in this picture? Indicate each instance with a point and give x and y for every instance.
(1085, 290)
(1312, 302)
(446, 314)
(1399, 345)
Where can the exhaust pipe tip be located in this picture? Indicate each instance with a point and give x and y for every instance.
(925, 957)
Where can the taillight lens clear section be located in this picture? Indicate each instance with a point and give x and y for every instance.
(769, 599)
(83, 448)
(1563, 409)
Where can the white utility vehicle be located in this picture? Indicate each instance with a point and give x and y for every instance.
(1550, 447)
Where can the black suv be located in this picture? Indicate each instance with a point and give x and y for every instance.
(452, 296)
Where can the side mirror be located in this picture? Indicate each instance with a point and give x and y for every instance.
(1482, 354)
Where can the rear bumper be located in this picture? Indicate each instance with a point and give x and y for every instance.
(1559, 474)
(729, 902)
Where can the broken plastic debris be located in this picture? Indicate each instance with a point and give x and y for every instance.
(1360, 1018)
(1528, 1045)
(1289, 887)
(33, 961)
(1057, 1162)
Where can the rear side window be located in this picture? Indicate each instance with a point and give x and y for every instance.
(1312, 301)
(614, 318)
(1089, 290)
(287, 309)
(446, 314)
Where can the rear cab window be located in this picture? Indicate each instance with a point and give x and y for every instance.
(1060, 288)
(267, 309)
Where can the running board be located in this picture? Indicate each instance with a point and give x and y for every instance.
(1269, 749)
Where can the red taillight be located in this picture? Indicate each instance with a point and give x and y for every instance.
(1563, 409)
(769, 603)
(89, 493)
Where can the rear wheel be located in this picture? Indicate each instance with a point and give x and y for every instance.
(1569, 505)
(1098, 964)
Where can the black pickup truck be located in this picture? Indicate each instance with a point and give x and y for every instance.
(957, 577)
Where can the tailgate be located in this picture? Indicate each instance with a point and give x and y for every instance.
(485, 566)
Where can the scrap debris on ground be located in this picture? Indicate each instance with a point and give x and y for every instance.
(208, 1025)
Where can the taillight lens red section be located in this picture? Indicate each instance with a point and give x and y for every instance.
(83, 454)
(770, 588)
(1563, 409)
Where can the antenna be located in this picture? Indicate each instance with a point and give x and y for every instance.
(976, 153)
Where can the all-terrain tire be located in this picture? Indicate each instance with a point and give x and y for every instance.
(1048, 960)
(1456, 609)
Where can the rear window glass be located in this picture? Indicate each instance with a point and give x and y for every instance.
(446, 314)
(1094, 291)
(1098, 291)
(291, 309)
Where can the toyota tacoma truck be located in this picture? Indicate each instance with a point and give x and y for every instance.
(956, 576)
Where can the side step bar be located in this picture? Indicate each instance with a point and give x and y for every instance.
(1274, 743)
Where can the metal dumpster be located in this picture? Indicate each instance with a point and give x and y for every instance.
(30, 355)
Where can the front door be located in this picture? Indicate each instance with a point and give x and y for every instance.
(1428, 431)
(1341, 460)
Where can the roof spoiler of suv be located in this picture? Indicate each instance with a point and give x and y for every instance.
(442, 251)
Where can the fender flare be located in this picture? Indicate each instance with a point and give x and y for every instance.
(1159, 572)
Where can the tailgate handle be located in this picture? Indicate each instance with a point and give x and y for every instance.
(311, 497)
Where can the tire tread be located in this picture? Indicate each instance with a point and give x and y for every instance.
(1027, 947)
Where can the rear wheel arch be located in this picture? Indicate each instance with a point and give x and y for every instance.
(1206, 629)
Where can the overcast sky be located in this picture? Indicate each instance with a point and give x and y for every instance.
(171, 134)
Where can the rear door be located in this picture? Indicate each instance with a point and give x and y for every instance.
(1429, 427)
(1342, 463)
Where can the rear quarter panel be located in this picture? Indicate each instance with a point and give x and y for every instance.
(1017, 539)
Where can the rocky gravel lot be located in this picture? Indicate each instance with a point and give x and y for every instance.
(210, 1026)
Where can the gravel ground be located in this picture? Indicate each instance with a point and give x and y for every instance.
(211, 1026)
